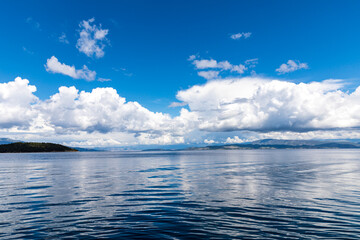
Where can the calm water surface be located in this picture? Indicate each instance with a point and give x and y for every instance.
(250, 194)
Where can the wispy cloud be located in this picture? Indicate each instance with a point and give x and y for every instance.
(123, 70)
(34, 24)
(104, 79)
(291, 66)
(202, 64)
(54, 66)
(191, 57)
(240, 35)
(63, 38)
(28, 51)
(177, 104)
(209, 74)
(92, 39)
(251, 63)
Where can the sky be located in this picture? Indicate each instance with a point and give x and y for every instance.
(178, 73)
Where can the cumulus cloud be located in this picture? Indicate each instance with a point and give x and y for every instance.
(54, 66)
(270, 105)
(267, 108)
(71, 112)
(291, 66)
(16, 99)
(92, 39)
(240, 35)
(101, 110)
(209, 141)
(234, 140)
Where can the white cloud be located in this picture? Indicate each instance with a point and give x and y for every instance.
(291, 66)
(239, 68)
(270, 105)
(254, 108)
(80, 116)
(209, 141)
(177, 104)
(104, 79)
(191, 57)
(234, 140)
(251, 63)
(101, 110)
(247, 34)
(240, 35)
(204, 63)
(100, 142)
(16, 99)
(92, 39)
(54, 66)
(63, 38)
(325, 134)
(222, 66)
(209, 74)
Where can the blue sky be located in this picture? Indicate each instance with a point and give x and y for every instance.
(146, 52)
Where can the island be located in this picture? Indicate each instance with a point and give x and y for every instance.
(28, 147)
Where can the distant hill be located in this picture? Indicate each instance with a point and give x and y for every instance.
(283, 144)
(7, 141)
(79, 149)
(26, 147)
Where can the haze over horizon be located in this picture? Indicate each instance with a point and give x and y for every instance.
(130, 73)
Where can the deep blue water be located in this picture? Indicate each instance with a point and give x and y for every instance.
(250, 194)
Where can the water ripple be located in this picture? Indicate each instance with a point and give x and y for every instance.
(275, 194)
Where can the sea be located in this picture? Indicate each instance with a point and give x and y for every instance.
(222, 194)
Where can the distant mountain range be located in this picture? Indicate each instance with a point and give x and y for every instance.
(274, 144)
(10, 145)
(283, 144)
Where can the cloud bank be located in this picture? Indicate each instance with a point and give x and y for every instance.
(263, 107)
(271, 105)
